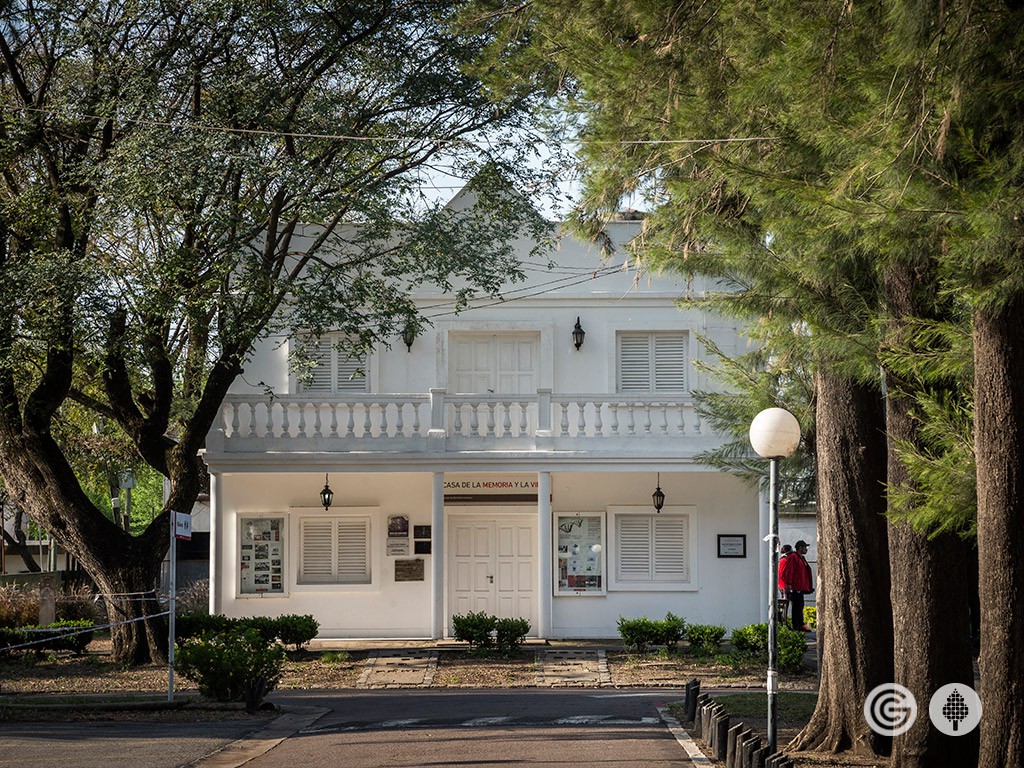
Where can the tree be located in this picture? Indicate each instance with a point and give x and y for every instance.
(181, 179)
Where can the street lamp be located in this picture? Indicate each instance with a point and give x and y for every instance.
(774, 435)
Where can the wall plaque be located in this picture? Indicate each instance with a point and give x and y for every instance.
(409, 570)
(732, 545)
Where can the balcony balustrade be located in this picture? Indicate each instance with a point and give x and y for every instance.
(442, 421)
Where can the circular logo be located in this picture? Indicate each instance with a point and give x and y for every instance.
(890, 709)
(955, 709)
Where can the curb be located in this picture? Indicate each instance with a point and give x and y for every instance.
(248, 748)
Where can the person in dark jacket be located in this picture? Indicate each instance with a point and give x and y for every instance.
(795, 578)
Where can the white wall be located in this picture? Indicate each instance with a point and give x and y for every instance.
(727, 589)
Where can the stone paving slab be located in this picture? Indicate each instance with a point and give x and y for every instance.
(575, 667)
(409, 668)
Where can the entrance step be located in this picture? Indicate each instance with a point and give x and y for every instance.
(398, 669)
(572, 668)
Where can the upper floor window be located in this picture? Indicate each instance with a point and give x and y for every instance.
(335, 369)
(652, 362)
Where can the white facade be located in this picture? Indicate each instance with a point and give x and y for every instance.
(492, 467)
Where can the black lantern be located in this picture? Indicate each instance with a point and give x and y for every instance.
(658, 496)
(326, 495)
(578, 334)
(408, 336)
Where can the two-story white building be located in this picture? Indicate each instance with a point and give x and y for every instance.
(500, 463)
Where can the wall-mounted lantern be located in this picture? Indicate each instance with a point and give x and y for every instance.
(326, 495)
(658, 497)
(578, 334)
(408, 336)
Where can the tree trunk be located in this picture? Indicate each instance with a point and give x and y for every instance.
(129, 597)
(854, 613)
(930, 585)
(999, 448)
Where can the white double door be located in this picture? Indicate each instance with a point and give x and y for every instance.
(492, 567)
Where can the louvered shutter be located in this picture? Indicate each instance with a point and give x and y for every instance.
(317, 561)
(634, 548)
(634, 363)
(321, 380)
(669, 362)
(353, 542)
(351, 372)
(671, 542)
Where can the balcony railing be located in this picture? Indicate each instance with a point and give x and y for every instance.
(442, 421)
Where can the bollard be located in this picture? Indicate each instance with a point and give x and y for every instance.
(774, 760)
(758, 758)
(721, 737)
(730, 747)
(749, 746)
(691, 702)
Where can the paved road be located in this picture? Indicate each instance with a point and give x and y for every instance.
(373, 729)
(114, 744)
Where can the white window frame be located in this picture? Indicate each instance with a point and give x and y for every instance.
(330, 341)
(370, 516)
(687, 513)
(653, 337)
(242, 520)
(602, 557)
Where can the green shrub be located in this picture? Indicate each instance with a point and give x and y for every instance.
(673, 629)
(295, 630)
(639, 633)
(59, 636)
(705, 637)
(792, 645)
(237, 665)
(265, 625)
(187, 625)
(474, 628)
(334, 657)
(811, 617)
(511, 634)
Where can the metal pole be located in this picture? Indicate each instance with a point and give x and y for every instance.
(773, 611)
(128, 509)
(170, 618)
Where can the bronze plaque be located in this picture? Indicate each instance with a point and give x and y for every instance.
(409, 570)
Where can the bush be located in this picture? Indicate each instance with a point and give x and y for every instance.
(187, 625)
(474, 628)
(639, 633)
(18, 607)
(59, 636)
(296, 630)
(511, 634)
(673, 629)
(811, 617)
(754, 639)
(237, 665)
(705, 637)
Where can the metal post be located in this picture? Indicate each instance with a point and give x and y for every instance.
(172, 579)
(773, 611)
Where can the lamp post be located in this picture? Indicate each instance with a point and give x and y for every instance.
(774, 435)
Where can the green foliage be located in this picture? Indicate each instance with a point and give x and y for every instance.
(237, 665)
(811, 616)
(792, 645)
(334, 657)
(640, 633)
(673, 630)
(295, 630)
(511, 634)
(704, 638)
(68, 635)
(474, 628)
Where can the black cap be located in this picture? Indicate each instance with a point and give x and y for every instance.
(799, 544)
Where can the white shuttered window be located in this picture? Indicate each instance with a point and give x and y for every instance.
(652, 549)
(334, 550)
(652, 362)
(335, 371)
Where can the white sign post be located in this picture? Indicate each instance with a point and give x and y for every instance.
(181, 528)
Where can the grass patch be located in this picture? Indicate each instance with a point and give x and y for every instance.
(791, 705)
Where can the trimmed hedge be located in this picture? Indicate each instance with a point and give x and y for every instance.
(705, 637)
(481, 630)
(290, 629)
(642, 632)
(59, 636)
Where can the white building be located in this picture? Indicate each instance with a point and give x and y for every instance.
(492, 466)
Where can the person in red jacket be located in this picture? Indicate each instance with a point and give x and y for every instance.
(795, 580)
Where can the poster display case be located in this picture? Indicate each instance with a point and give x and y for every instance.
(261, 556)
(579, 554)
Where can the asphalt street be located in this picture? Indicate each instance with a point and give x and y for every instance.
(373, 729)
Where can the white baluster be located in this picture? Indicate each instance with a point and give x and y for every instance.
(647, 418)
(681, 424)
(252, 419)
(317, 426)
(302, 419)
(234, 419)
(506, 422)
(522, 419)
(415, 419)
(474, 419)
(664, 418)
(598, 424)
(581, 420)
(457, 426)
(630, 418)
(564, 424)
(385, 427)
(285, 426)
(367, 424)
(490, 419)
(399, 420)
(614, 407)
(334, 420)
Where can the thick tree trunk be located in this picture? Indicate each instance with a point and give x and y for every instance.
(930, 585)
(999, 448)
(854, 614)
(129, 598)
